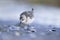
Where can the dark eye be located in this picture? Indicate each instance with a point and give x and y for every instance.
(21, 17)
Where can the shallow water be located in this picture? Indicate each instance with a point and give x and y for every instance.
(46, 18)
(41, 33)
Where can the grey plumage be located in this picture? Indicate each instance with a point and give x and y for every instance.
(27, 14)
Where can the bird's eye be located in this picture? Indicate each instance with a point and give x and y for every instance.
(21, 17)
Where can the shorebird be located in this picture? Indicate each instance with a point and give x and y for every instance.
(26, 17)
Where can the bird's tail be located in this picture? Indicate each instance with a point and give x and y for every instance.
(32, 9)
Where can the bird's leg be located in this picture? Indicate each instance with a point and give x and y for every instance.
(28, 27)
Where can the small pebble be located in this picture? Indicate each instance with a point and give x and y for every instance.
(32, 35)
(17, 33)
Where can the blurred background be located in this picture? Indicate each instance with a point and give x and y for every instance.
(46, 11)
(46, 25)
